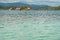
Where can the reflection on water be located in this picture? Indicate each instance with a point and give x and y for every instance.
(29, 25)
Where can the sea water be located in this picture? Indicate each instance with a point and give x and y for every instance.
(30, 25)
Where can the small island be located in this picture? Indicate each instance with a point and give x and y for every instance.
(20, 8)
(16, 8)
(29, 8)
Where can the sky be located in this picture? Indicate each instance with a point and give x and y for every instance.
(38, 2)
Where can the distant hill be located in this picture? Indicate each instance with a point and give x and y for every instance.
(23, 4)
(33, 6)
(54, 8)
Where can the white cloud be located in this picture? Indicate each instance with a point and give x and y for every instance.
(55, 0)
(39, 2)
(12, 1)
(29, 0)
(9, 1)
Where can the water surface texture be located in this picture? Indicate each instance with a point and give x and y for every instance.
(29, 25)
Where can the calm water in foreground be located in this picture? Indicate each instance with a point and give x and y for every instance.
(29, 25)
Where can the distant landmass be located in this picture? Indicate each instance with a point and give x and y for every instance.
(22, 4)
(32, 6)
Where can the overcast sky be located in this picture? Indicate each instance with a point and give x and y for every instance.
(39, 2)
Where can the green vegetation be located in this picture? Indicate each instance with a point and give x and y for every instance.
(50, 8)
(25, 8)
(3, 7)
(54, 8)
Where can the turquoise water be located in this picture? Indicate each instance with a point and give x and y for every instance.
(29, 25)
